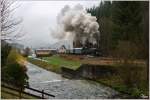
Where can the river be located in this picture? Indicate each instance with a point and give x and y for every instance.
(63, 88)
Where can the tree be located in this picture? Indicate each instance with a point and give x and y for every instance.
(15, 70)
(16, 74)
(122, 21)
(131, 24)
(124, 34)
(131, 21)
(103, 15)
(27, 51)
(145, 37)
(5, 49)
(9, 25)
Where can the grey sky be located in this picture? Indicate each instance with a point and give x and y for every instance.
(40, 16)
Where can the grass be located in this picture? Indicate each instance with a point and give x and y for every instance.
(58, 61)
(12, 94)
(121, 87)
(45, 65)
(54, 63)
(117, 82)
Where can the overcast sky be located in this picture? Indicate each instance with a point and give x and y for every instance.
(40, 16)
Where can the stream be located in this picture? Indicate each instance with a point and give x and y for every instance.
(63, 88)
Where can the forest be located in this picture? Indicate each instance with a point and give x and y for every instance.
(122, 23)
(124, 34)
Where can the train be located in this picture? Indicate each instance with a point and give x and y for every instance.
(85, 51)
(75, 51)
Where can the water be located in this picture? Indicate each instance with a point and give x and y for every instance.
(63, 88)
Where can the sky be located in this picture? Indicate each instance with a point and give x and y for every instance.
(39, 17)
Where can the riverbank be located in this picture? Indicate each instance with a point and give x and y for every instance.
(113, 81)
(63, 88)
(45, 65)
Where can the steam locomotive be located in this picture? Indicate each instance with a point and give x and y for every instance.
(85, 51)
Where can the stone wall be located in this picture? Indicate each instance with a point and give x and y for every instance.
(89, 71)
(69, 73)
(96, 71)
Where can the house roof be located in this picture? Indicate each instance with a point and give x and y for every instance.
(45, 49)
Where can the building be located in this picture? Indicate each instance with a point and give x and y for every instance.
(62, 49)
(45, 52)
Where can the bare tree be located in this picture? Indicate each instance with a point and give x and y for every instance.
(9, 25)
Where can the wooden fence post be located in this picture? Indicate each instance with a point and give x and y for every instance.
(20, 93)
(42, 94)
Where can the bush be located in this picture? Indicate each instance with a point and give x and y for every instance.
(14, 57)
(15, 70)
(135, 92)
(130, 74)
(5, 49)
(16, 73)
(121, 88)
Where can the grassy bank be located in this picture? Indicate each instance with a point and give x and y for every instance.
(134, 85)
(54, 63)
(12, 94)
(45, 65)
(59, 61)
(121, 87)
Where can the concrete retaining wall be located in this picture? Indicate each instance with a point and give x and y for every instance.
(89, 71)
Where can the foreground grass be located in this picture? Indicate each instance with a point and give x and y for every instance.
(12, 94)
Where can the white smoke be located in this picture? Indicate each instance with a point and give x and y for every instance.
(74, 23)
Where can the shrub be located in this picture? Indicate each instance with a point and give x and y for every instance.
(135, 92)
(120, 88)
(15, 70)
(16, 73)
(27, 52)
(14, 57)
(5, 49)
(130, 74)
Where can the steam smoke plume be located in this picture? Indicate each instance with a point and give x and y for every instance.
(75, 22)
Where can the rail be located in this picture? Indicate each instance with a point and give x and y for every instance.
(9, 85)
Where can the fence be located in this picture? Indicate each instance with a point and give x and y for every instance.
(10, 86)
